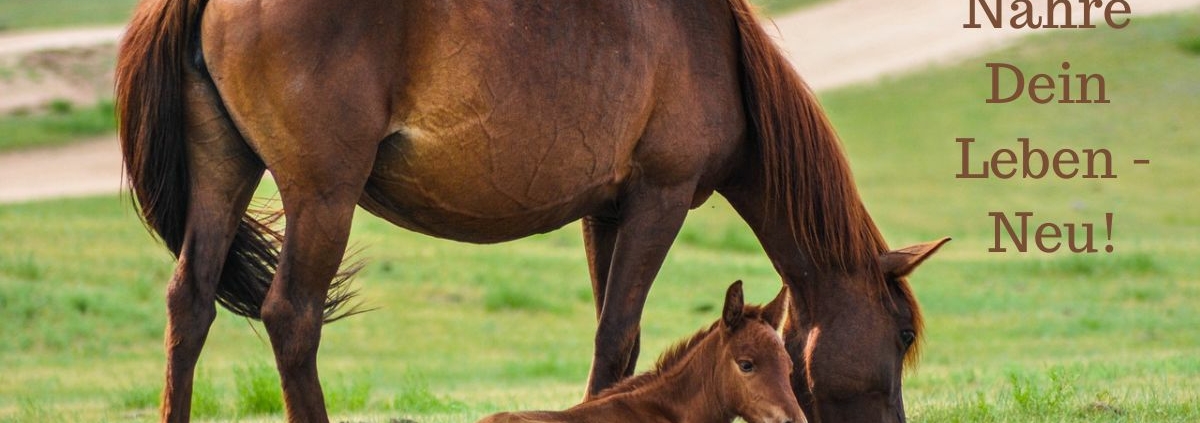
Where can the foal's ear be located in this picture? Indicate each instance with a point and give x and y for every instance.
(734, 304)
(775, 311)
(899, 263)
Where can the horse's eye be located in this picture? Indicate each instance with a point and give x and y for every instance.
(908, 336)
(746, 366)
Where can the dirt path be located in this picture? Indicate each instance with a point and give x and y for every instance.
(852, 41)
(88, 168)
(40, 68)
(32, 41)
(834, 44)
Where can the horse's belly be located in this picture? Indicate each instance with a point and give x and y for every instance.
(471, 186)
(504, 134)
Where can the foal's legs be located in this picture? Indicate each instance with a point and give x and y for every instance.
(650, 218)
(224, 174)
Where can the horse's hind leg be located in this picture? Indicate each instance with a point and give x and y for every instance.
(224, 174)
(319, 204)
(320, 154)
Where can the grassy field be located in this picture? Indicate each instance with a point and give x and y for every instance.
(63, 123)
(775, 7)
(28, 14)
(465, 330)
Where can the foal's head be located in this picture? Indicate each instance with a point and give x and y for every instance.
(752, 368)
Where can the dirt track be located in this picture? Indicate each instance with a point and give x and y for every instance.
(851, 41)
(834, 44)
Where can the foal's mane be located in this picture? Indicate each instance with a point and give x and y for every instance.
(806, 172)
(673, 356)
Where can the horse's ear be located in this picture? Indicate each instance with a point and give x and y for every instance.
(734, 305)
(775, 311)
(899, 263)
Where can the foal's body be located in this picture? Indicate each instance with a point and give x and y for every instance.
(684, 395)
(654, 403)
(701, 380)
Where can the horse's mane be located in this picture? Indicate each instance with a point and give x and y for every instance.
(805, 169)
(803, 162)
(673, 356)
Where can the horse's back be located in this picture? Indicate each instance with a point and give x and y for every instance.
(492, 120)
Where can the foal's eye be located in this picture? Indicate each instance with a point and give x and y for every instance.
(746, 366)
(908, 336)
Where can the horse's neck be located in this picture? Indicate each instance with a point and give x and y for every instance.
(685, 393)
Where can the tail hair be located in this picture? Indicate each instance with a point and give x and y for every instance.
(153, 61)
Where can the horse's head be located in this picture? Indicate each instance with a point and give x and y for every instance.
(753, 368)
(852, 335)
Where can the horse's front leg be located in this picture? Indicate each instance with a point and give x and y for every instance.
(649, 220)
(599, 241)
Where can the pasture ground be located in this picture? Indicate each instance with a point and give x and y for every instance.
(25, 14)
(464, 330)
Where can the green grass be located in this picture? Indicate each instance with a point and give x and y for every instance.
(462, 331)
(414, 396)
(1191, 45)
(778, 7)
(258, 390)
(62, 124)
(25, 14)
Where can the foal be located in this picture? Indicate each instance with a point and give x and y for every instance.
(737, 367)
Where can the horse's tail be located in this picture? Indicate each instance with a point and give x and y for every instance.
(804, 169)
(150, 112)
(158, 49)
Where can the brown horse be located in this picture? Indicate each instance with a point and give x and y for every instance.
(737, 367)
(486, 121)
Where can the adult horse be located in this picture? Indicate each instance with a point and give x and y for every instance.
(486, 121)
